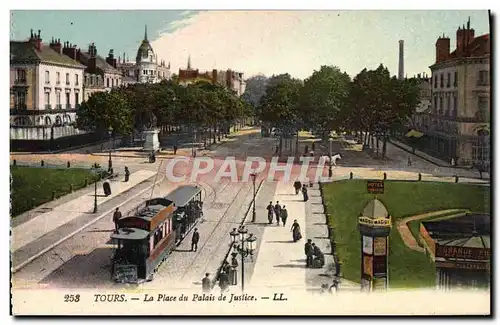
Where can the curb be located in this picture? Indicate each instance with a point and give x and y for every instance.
(48, 248)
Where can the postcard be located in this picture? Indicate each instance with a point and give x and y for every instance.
(329, 162)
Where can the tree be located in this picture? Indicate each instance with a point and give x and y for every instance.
(254, 90)
(103, 110)
(324, 95)
(279, 105)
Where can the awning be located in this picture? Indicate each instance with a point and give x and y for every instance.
(415, 134)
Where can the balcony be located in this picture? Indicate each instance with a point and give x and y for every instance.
(58, 106)
(48, 106)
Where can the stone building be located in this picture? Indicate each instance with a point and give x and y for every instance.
(458, 125)
(146, 67)
(230, 79)
(46, 86)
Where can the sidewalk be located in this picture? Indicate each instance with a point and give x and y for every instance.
(35, 228)
(280, 261)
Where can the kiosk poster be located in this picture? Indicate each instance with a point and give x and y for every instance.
(211, 206)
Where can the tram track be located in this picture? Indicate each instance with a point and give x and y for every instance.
(214, 230)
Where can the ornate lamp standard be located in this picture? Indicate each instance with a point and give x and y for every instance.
(110, 163)
(254, 196)
(96, 171)
(245, 249)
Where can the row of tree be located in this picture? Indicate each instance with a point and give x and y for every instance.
(373, 103)
(162, 105)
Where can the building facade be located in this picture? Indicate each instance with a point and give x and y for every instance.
(420, 119)
(46, 88)
(146, 69)
(458, 126)
(230, 79)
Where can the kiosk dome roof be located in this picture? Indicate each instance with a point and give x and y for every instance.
(375, 209)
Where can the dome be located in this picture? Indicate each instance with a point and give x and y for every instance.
(145, 49)
(375, 209)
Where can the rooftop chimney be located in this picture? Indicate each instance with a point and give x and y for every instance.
(401, 69)
(111, 58)
(36, 40)
(92, 61)
(442, 49)
(56, 45)
(70, 50)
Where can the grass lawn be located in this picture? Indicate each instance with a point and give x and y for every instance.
(407, 268)
(38, 183)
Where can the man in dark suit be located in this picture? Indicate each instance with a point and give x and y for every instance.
(206, 284)
(277, 212)
(308, 250)
(195, 239)
(117, 215)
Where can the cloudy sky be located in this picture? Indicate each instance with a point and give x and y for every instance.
(268, 42)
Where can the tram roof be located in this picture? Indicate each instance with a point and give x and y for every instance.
(130, 234)
(183, 194)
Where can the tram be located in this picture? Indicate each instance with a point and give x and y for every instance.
(147, 234)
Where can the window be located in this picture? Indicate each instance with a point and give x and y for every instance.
(435, 103)
(67, 78)
(20, 76)
(483, 78)
(448, 83)
(455, 79)
(441, 106)
(481, 147)
(68, 105)
(482, 108)
(20, 100)
(47, 100)
(435, 81)
(58, 78)
(107, 82)
(77, 99)
(58, 100)
(441, 81)
(76, 80)
(455, 109)
(47, 77)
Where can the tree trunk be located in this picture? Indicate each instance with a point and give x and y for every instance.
(377, 145)
(365, 141)
(214, 134)
(280, 146)
(297, 144)
(373, 142)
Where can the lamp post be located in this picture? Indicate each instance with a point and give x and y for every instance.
(95, 189)
(254, 197)
(330, 153)
(245, 249)
(110, 163)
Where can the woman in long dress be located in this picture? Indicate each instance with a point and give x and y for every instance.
(304, 193)
(296, 235)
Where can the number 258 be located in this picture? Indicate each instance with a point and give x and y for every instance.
(71, 298)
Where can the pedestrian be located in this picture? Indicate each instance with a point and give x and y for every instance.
(127, 174)
(270, 210)
(409, 161)
(117, 215)
(296, 235)
(313, 146)
(306, 149)
(175, 149)
(223, 281)
(206, 284)
(308, 250)
(297, 185)
(277, 212)
(304, 193)
(319, 257)
(195, 239)
(226, 267)
(453, 161)
(284, 215)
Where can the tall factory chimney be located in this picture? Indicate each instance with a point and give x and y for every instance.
(401, 71)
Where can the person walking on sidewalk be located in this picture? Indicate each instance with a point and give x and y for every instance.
(319, 260)
(195, 239)
(175, 149)
(117, 215)
(297, 185)
(296, 235)
(308, 250)
(223, 281)
(284, 215)
(270, 210)
(304, 193)
(127, 174)
(409, 161)
(206, 284)
(277, 212)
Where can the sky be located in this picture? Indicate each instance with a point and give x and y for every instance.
(260, 42)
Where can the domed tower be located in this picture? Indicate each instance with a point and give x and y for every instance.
(146, 62)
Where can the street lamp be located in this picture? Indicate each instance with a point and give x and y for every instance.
(245, 249)
(254, 197)
(95, 187)
(110, 163)
(330, 162)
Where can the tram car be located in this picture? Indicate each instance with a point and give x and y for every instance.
(147, 234)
